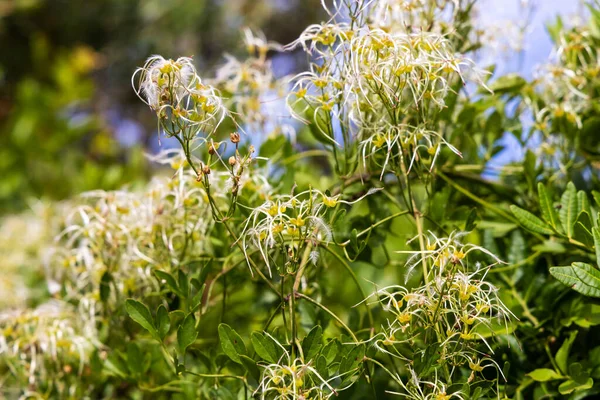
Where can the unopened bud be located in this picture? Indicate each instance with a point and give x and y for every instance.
(234, 137)
(211, 149)
(206, 170)
(232, 160)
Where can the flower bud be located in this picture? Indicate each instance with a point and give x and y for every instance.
(206, 170)
(234, 137)
(232, 161)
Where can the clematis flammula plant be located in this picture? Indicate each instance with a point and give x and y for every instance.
(184, 105)
(51, 340)
(454, 309)
(129, 234)
(289, 223)
(295, 379)
(445, 253)
(364, 80)
(253, 89)
(385, 150)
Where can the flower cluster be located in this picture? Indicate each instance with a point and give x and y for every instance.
(500, 37)
(253, 87)
(298, 378)
(285, 225)
(289, 222)
(24, 238)
(293, 379)
(184, 105)
(561, 94)
(47, 348)
(116, 239)
(459, 304)
(414, 15)
(366, 80)
(236, 174)
(446, 253)
(455, 307)
(416, 388)
(384, 149)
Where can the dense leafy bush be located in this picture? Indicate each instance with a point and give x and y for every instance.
(332, 234)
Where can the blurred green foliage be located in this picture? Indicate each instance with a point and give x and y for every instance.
(62, 95)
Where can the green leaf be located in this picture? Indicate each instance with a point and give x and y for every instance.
(352, 360)
(251, 367)
(596, 235)
(231, 342)
(529, 163)
(169, 280)
(319, 128)
(530, 221)
(578, 373)
(115, 366)
(494, 329)
(331, 350)
(197, 299)
(581, 277)
(596, 196)
(505, 368)
(518, 247)
(570, 385)
(312, 343)
(594, 356)
(583, 228)
(321, 365)
(135, 359)
(583, 203)
(354, 239)
(425, 362)
(548, 212)
(568, 211)
(511, 83)
(584, 313)
(544, 374)
(140, 314)
(177, 316)
(550, 246)
(556, 29)
(163, 321)
(562, 355)
(471, 221)
(184, 286)
(105, 286)
(187, 333)
(265, 347)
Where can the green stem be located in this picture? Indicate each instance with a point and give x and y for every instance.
(552, 361)
(321, 306)
(517, 265)
(394, 377)
(418, 221)
(478, 199)
(305, 154)
(169, 386)
(292, 304)
(271, 318)
(355, 279)
(526, 311)
(375, 225)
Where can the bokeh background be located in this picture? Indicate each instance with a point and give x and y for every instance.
(69, 120)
